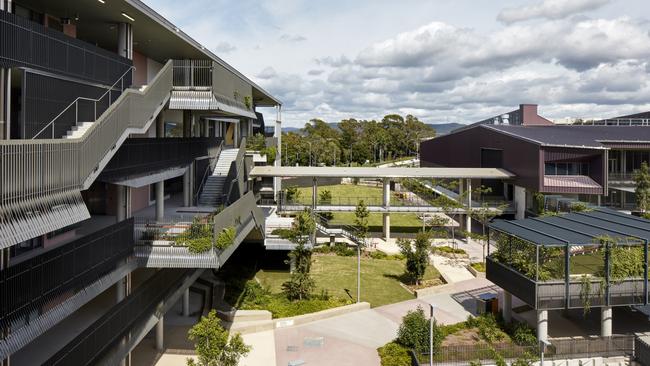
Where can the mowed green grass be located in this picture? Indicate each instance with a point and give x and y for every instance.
(350, 194)
(379, 278)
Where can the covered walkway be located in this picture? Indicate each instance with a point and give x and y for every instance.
(465, 175)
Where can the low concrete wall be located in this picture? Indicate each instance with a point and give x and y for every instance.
(325, 314)
(254, 326)
(474, 272)
(244, 315)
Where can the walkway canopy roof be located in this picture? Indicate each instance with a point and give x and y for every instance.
(577, 228)
(402, 172)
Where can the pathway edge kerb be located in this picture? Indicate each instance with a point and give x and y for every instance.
(320, 315)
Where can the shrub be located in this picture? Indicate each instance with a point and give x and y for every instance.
(479, 266)
(522, 334)
(225, 238)
(299, 286)
(198, 245)
(393, 354)
(449, 250)
(281, 232)
(343, 250)
(488, 328)
(413, 333)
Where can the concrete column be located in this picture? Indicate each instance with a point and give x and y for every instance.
(186, 302)
(206, 128)
(121, 203)
(160, 125)
(520, 202)
(505, 191)
(160, 333)
(606, 321)
(314, 194)
(120, 289)
(506, 309)
(599, 202)
(187, 191)
(542, 325)
(160, 201)
(468, 218)
(277, 181)
(386, 204)
(125, 40)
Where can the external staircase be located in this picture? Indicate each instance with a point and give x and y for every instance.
(212, 193)
(77, 131)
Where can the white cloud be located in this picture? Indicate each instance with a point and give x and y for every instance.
(292, 38)
(549, 9)
(225, 47)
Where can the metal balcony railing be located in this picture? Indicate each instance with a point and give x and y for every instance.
(94, 342)
(28, 44)
(192, 74)
(33, 170)
(141, 156)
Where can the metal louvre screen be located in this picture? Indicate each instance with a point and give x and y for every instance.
(45, 97)
(24, 43)
(29, 287)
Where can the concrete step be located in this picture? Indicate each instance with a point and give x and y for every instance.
(78, 131)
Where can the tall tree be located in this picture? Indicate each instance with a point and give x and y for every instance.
(212, 344)
(484, 215)
(642, 189)
(361, 214)
(300, 284)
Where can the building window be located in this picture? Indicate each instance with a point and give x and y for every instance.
(575, 168)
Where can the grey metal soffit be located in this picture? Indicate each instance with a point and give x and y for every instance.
(39, 215)
(208, 101)
(21, 336)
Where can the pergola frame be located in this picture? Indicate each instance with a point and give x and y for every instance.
(559, 231)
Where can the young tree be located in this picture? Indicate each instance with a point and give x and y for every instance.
(300, 285)
(413, 333)
(417, 255)
(361, 222)
(642, 189)
(484, 215)
(212, 345)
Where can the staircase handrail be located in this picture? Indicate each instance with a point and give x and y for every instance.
(208, 170)
(76, 102)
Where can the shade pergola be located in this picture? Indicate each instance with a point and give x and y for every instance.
(577, 228)
(565, 261)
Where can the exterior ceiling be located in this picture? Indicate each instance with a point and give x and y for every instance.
(153, 35)
(343, 172)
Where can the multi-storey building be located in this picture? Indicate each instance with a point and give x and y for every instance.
(592, 163)
(118, 132)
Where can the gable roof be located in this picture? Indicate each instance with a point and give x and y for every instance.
(590, 137)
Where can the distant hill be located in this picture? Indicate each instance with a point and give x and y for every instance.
(441, 128)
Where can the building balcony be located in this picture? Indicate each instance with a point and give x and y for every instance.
(39, 291)
(593, 258)
(148, 160)
(29, 44)
(174, 244)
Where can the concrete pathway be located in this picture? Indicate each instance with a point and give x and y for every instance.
(452, 270)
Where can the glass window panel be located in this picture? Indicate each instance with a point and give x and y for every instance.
(562, 169)
(549, 169)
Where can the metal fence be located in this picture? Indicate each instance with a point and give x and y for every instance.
(192, 74)
(28, 287)
(24, 43)
(559, 349)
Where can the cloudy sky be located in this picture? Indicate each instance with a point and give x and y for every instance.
(440, 60)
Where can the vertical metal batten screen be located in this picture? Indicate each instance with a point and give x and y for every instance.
(34, 171)
(24, 43)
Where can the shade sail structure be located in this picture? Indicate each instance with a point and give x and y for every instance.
(372, 172)
(577, 228)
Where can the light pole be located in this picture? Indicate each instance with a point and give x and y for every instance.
(358, 272)
(431, 336)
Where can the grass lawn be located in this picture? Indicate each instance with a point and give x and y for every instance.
(399, 222)
(379, 278)
(348, 194)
